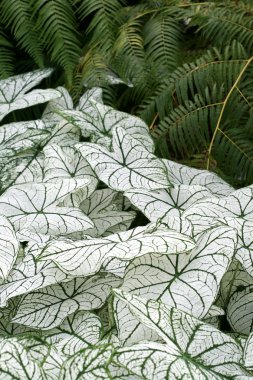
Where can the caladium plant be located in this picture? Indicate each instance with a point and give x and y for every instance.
(88, 292)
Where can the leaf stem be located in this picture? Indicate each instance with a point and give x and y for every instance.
(217, 128)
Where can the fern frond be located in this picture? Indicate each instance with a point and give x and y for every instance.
(129, 40)
(57, 25)
(102, 25)
(162, 37)
(213, 115)
(7, 56)
(224, 22)
(17, 15)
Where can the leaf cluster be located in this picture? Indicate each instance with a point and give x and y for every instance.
(87, 294)
(183, 66)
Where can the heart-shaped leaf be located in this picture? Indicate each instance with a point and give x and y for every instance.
(14, 96)
(130, 165)
(48, 307)
(192, 349)
(84, 258)
(188, 281)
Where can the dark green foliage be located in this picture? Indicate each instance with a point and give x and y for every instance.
(181, 59)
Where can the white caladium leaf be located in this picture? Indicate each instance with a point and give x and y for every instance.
(76, 332)
(98, 120)
(184, 175)
(14, 96)
(86, 102)
(122, 226)
(34, 207)
(236, 278)
(28, 276)
(166, 203)
(66, 162)
(240, 310)
(16, 138)
(32, 237)
(53, 363)
(30, 167)
(16, 363)
(115, 266)
(9, 247)
(238, 204)
(104, 213)
(244, 251)
(248, 352)
(192, 349)
(179, 224)
(63, 102)
(13, 329)
(180, 280)
(129, 166)
(84, 258)
(48, 307)
(89, 364)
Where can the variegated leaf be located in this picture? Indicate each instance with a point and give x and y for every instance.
(248, 352)
(166, 203)
(76, 332)
(16, 363)
(98, 120)
(48, 307)
(9, 247)
(66, 162)
(192, 349)
(240, 310)
(84, 258)
(63, 102)
(34, 207)
(14, 96)
(238, 204)
(184, 175)
(189, 282)
(100, 208)
(89, 364)
(29, 276)
(130, 165)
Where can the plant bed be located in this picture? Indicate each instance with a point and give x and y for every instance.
(116, 264)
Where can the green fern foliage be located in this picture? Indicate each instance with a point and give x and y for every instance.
(214, 106)
(17, 15)
(58, 31)
(7, 56)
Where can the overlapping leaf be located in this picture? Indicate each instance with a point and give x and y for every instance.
(66, 162)
(48, 307)
(15, 362)
(166, 203)
(14, 96)
(238, 204)
(9, 247)
(248, 352)
(98, 120)
(192, 349)
(104, 213)
(180, 280)
(90, 363)
(76, 332)
(184, 175)
(84, 258)
(130, 165)
(240, 310)
(34, 206)
(28, 276)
